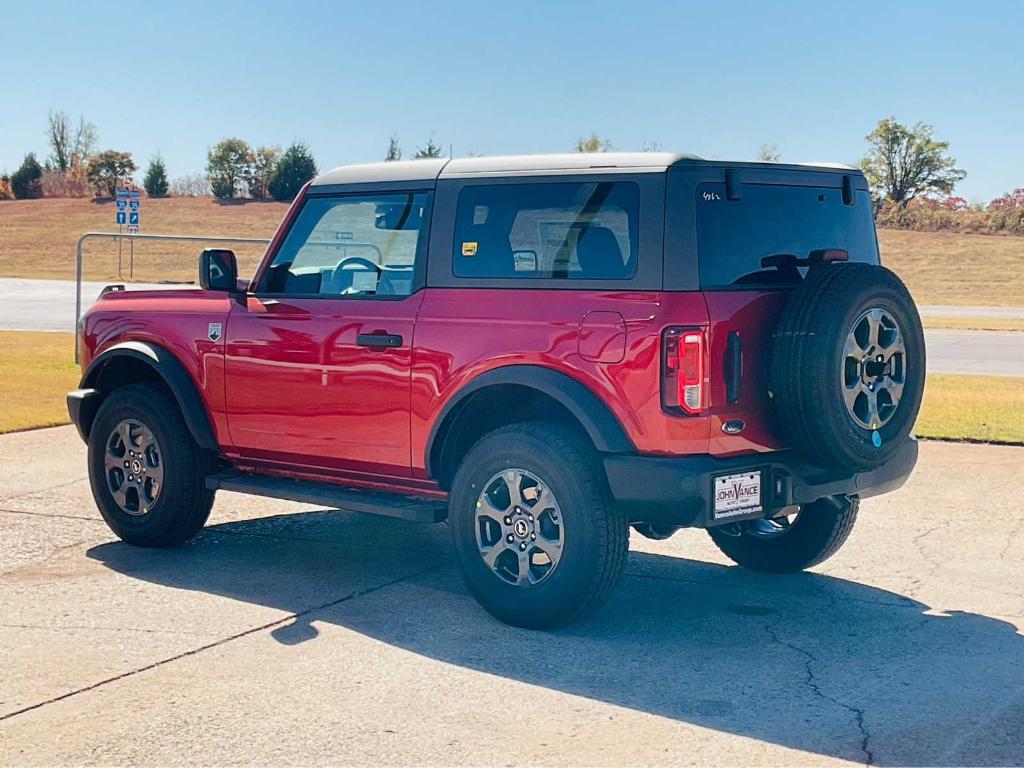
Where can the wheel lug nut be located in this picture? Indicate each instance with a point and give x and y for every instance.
(131, 477)
(126, 463)
(531, 518)
(522, 547)
(533, 535)
(508, 521)
(509, 538)
(518, 510)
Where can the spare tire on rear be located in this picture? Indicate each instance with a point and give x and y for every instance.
(847, 369)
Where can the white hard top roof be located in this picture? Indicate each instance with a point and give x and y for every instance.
(430, 169)
(433, 168)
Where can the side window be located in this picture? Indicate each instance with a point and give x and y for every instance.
(352, 245)
(576, 230)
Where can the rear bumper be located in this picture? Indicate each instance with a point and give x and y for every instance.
(678, 491)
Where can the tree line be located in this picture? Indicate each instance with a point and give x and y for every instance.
(75, 168)
(911, 174)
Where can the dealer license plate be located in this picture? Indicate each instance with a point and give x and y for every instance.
(737, 495)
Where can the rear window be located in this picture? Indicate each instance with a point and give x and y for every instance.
(578, 230)
(735, 235)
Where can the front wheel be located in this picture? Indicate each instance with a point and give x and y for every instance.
(789, 545)
(148, 476)
(537, 536)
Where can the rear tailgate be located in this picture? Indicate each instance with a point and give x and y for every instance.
(763, 214)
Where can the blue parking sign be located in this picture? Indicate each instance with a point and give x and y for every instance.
(121, 217)
(133, 218)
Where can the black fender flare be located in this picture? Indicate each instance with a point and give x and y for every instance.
(173, 374)
(594, 416)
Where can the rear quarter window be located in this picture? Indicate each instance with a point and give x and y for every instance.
(733, 236)
(545, 231)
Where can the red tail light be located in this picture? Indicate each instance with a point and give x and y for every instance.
(682, 384)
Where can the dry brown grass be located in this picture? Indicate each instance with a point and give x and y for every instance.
(36, 371)
(947, 268)
(943, 323)
(37, 239)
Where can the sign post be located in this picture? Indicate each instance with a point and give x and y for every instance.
(127, 213)
(121, 215)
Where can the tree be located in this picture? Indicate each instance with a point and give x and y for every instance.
(768, 153)
(25, 182)
(229, 166)
(70, 146)
(394, 150)
(296, 167)
(155, 181)
(6, 193)
(106, 170)
(430, 149)
(593, 144)
(264, 166)
(191, 186)
(905, 162)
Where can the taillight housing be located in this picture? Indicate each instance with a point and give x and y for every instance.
(684, 356)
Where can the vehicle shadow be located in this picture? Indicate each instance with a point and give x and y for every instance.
(809, 662)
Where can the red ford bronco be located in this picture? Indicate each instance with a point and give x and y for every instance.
(544, 351)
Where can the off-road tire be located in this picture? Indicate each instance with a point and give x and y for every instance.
(596, 535)
(804, 377)
(183, 504)
(817, 533)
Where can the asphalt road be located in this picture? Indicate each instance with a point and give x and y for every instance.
(49, 305)
(332, 637)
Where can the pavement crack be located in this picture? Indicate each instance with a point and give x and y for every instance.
(811, 682)
(49, 514)
(224, 640)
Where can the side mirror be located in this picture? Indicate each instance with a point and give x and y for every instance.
(218, 270)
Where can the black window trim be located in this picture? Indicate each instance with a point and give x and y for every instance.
(650, 218)
(357, 190)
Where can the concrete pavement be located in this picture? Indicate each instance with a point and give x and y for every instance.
(331, 637)
(48, 305)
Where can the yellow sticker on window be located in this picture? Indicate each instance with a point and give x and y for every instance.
(469, 249)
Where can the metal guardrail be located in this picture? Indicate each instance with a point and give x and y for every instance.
(118, 237)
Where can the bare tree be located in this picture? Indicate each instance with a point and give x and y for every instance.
(768, 153)
(71, 146)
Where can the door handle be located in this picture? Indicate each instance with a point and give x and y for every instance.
(379, 340)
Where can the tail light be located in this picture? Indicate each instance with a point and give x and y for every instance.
(682, 383)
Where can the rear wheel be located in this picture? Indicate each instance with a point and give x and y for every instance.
(147, 473)
(536, 534)
(789, 544)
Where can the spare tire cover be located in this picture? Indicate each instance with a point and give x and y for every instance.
(846, 373)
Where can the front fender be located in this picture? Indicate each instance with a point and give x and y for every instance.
(169, 369)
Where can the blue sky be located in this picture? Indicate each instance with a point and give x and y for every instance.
(716, 78)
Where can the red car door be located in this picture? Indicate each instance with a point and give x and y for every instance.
(318, 358)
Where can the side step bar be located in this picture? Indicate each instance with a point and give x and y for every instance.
(372, 502)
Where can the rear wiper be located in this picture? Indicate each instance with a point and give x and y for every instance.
(783, 261)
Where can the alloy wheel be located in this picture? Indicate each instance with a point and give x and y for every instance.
(874, 369)
(133, 467)
(519, 527)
